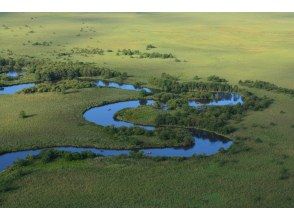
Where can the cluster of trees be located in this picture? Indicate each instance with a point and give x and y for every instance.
(46, 70)
(157, 55)
(60, 86)
(128, 131)
(266, 85)
(169, 83)
(179, 135)
(180, 100)
(207, 120)
(215, 78)
(164, 97)
(150, 46)
(10, 64)
(54, 71)
(47, 156)
(139, 54)
(98, 51)
(210, 118)
(44, 43)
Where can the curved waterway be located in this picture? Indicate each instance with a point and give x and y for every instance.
(124, 86)
(9, 90)
(205, 143)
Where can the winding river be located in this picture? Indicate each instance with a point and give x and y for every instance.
(205, 143)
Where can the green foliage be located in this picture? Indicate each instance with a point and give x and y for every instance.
(44, 43)
(98, 51)
(24, 162)
(127, 131)
(266, 85)
(46, 70)
(196, 78)
(215, 78)
(22, 114)
(169, 83)
(77, 156)
(284, 174)
(182, 136)
(136, 154)
(48, 156)
(141, 55)
(60, 86)
(150, 46)
(211, 118)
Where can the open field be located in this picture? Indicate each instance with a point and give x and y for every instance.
(235, 46)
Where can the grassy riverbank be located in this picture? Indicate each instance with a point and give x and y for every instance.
(251, 179)
(56, 119)
(261, 175)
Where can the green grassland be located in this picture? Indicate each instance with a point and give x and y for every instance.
(144, 115)
(233, 45)
(255, 46)
(56, 119)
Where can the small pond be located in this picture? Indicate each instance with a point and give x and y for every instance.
(12, 74)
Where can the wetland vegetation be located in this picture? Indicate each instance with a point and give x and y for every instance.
(237, 81)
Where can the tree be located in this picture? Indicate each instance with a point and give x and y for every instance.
(22, 114)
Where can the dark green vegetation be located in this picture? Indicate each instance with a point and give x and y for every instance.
(60, 86)
(141, 55)
(256, 172)
(266, 85)
(47, 70)
(214, 119)
(167, 136)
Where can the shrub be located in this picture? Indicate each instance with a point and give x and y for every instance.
(150, 46)
(258, 140)
(284, 174)
(215, 78)
(22, 114)
(136, 154)
(48, 156)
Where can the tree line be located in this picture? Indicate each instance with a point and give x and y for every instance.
(139, 54)
(211, 118)
(265, 85)
(170, 84)
(50, 71)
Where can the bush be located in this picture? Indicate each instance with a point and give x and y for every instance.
(48, 156)
(266, 85)
(215, 78)
(22, 114)
(284, 174)
(136, 154)
(150, 46)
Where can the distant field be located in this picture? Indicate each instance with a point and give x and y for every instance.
(233, 45)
